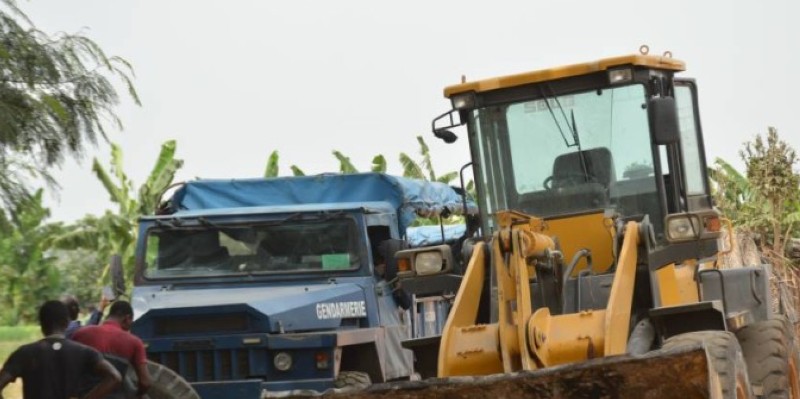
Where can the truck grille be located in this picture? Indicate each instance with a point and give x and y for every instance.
(215, 365)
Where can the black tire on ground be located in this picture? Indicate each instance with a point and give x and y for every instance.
(352, 380)
(165, 383)
(725, 357)
(772, 358)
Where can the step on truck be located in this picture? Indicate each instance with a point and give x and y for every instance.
(265, 287)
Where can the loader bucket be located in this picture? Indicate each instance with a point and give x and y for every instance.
(681, 373)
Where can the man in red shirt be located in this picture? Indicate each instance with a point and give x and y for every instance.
(113, 338)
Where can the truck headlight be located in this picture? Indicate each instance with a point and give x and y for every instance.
(428, 263)
(282, 361)
(693, 226)
(425, 261)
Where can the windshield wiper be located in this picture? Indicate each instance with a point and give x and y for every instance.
(577, 139)
(555, 118)
(573, 128)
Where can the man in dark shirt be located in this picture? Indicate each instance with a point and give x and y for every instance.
(113, 338)
(52, 367)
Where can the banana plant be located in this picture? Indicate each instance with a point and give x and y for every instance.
(272, 169)
(116, 232)
(27, 271)
(424, 169)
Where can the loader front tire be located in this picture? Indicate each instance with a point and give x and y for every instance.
(772, 358)
(725, 359)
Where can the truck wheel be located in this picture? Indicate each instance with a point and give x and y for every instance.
(352, 381)
(772, 358)
(165, 383)
(726, 360)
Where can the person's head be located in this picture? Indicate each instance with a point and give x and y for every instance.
(73, 306)
(53, 317)
(122, 312)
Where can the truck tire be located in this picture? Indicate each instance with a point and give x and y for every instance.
(350, 381)
(165, 383)
(772, 358)
(726, 360)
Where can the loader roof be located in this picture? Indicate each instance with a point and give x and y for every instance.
(542, 75)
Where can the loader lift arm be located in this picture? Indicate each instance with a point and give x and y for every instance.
(524, 339)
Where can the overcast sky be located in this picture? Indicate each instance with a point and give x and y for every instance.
(233, 80)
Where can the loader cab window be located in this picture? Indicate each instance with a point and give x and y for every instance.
(570, 153)
(690, 145)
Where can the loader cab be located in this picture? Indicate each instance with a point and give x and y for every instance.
(618, 136)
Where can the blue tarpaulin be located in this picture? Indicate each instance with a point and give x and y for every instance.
(422, 236)
(411, 198)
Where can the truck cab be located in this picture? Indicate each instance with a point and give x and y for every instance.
(262, 286)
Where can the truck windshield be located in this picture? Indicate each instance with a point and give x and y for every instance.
(563, 154)
(291, 246)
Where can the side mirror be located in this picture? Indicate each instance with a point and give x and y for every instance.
(117, 276)
(446, 136)
(662, 112)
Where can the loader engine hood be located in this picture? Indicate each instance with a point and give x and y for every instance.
(275, 309)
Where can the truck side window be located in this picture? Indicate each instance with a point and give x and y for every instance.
(378, 234)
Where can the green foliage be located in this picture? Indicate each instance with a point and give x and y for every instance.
(424, 169)
(116, 232)
(81, 271)
(773, 210)
(297, 171)
(272, 165)
(55, 97)
(731, 190)
(764, 200)
(18, 333)
(345, 166)
(27, 274)
(379, 164)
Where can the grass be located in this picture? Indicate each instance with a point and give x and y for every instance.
(10, 339)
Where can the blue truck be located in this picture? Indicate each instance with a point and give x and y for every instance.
(263, 287)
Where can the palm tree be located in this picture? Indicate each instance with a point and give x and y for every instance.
(55, 97)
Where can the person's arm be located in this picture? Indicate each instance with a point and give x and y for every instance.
(144, 379)
(5, 379)
(97, 314)
(140, 366)
(111, 380)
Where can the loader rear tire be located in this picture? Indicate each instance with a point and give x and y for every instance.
(725, 359)
(772, 358)
(165, 383)
(350, 381)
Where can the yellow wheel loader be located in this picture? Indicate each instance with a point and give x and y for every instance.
(596, 275)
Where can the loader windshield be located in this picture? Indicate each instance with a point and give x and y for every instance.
(290, 245)
(565, 154)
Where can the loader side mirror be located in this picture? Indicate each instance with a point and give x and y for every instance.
(446, 136)
(117, 276)
(662, 112)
